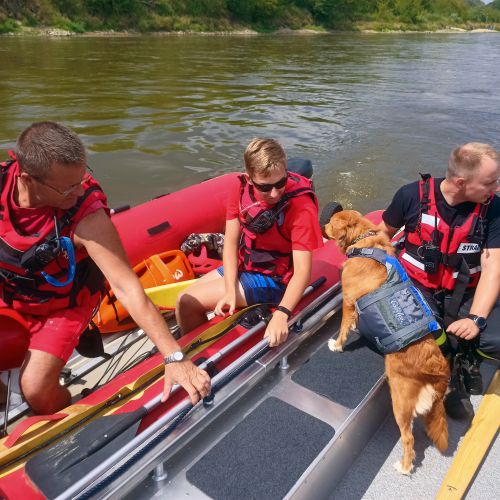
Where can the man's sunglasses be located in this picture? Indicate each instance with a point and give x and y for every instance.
(71, 189)
(266, 188)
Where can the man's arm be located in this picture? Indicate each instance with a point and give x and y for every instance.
(277, 330)
(98, 235)
(485, 296)
(389, 231)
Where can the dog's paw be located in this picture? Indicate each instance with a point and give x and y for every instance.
(334, 346)
(399, 467)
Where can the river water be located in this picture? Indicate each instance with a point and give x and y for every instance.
(158, 113)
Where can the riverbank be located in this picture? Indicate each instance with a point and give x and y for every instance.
(58, 32)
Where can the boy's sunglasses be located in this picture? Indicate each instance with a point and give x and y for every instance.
(265, 188)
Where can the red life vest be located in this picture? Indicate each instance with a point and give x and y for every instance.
(455, 246)
(26, 290)
(268, 250)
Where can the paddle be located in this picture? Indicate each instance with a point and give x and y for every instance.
(196, 344)
(55, 469)
(165, 296)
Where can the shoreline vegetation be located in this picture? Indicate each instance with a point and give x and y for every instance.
(244, 17)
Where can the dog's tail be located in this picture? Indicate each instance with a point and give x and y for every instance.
(436, 425)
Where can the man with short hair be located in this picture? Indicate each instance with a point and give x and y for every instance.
(271, 230)
(452, 253)
(56, 243)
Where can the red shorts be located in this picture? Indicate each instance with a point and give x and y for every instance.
(58, 333)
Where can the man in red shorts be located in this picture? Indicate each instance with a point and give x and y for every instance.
(271, 230)
(56, 243)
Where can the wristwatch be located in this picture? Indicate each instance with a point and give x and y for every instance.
(479, 320)
(175, 357)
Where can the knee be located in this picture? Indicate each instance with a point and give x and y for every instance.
(42, 393)
(490, 347)
(186, 303)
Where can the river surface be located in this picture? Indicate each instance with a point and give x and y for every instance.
(158, 113)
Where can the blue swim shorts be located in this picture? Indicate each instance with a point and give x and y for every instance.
(259, 288)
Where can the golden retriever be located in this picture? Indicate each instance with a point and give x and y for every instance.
(418, 374)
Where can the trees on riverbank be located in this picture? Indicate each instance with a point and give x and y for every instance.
(217, 15)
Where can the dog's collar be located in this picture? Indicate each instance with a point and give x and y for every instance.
(363, 236)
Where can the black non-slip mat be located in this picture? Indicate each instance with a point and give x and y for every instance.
(263, 456)
(344, 377)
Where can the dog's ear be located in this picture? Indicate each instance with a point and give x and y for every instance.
(327, 230)
(353, 217)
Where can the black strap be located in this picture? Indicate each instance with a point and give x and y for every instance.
(453, 305)
(285, 310)
(376, 254)
(425, 200)
(453, 260)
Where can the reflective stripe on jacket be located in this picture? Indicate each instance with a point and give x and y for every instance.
(459, 247)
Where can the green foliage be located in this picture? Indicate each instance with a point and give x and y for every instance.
(253, 11)
(8, 26)
(265, 15)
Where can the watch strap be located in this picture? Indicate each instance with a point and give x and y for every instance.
(175, 357)
(285, 310)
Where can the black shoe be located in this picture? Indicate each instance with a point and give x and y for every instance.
(473, 380)
(457, 402)
(458, 406)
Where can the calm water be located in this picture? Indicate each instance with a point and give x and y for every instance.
(160, 113)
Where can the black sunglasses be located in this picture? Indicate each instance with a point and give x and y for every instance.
(265, 188)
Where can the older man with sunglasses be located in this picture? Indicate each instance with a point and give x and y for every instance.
(56, 243)
(271, 230)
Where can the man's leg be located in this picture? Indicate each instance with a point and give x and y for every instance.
(200, 298)
(489, 339)
(53, 339)
(40, 383)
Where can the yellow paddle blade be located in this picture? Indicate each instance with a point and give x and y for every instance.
(474, 446)
(165, 296)
(210, 335)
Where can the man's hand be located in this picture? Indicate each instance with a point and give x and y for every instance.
(277, 329)
(193, 379)
(464, 328)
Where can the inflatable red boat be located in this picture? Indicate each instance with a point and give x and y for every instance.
(78, 449)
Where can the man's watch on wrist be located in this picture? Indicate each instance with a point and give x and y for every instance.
(175, 357)
(479, 321)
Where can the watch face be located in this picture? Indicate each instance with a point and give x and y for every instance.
(178, 356)
(480, 322)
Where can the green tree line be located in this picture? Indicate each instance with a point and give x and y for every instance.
(216, 15)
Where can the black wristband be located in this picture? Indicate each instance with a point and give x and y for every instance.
(283, 309)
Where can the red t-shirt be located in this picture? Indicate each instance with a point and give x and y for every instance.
(301, 223)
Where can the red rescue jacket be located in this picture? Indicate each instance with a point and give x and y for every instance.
(25, 290)
(457, 245)
(269, 252)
